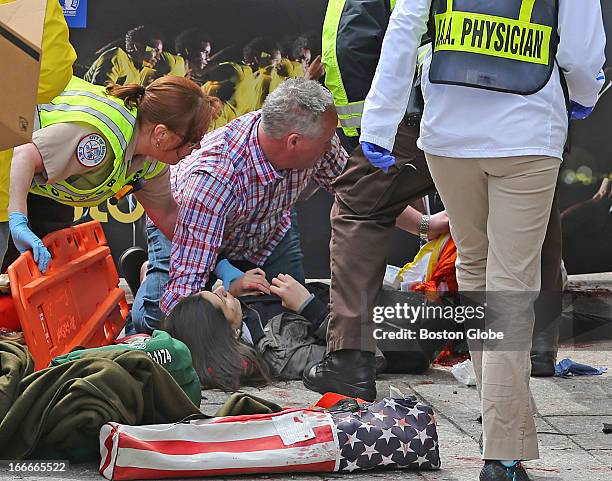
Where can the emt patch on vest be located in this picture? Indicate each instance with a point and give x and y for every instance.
(91, 150)
(494, 36)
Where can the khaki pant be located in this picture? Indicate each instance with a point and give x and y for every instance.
(499, 209)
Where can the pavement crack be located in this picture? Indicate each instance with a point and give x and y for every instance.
(575, 416)
(570, 437)
(438, 413)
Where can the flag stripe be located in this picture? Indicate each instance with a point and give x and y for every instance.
(221, 446)
(219, 431)
(106, 447)
(312, 413)
(323, 434)
(124, 473)
(257, 459)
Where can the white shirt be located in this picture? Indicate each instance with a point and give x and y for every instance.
(470, 122)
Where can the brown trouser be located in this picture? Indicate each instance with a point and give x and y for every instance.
(367, 202)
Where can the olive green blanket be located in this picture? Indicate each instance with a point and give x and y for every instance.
(57, 412)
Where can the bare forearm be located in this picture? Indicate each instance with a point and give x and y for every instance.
(409, 220)
(419, 204)
(163, 218)
(26, 162)
(167, 221)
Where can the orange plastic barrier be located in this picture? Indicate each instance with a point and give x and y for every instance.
(77, 302)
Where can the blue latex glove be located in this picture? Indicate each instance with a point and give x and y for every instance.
(580, 112)
(378, 157)
(227, 273)
(25, 240)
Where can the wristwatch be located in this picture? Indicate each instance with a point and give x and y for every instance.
(424, 228)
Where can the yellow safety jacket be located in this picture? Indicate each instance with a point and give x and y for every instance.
(55, 72)
(506, 46)
(87, 103)
(353, 32)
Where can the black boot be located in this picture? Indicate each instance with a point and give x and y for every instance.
(496, 471)
(544, 349)
(348, 371)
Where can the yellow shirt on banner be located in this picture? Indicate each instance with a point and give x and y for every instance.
(116, 66)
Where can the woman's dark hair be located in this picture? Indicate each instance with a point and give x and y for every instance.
(299, 44)
(252, 51)
(142, 34)
(190, 41)
(176, 102)
(220, 360)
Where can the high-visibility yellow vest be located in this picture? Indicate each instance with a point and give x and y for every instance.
(352, 37)
(349, 110)
(507, 46)
(86, 103)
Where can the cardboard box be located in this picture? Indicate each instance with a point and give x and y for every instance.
(21, 29)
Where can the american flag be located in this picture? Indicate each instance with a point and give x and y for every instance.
(392, 433)
(289, 441)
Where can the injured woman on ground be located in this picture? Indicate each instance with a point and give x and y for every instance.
(254, 338)
(230, 338)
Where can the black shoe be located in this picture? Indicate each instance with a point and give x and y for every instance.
(129, 264)
(543, 364)
(544, 347)
(348, 371)
(496, 471)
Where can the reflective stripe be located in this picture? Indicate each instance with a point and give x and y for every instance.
(493, 36)
(351, 122)
(350, 109)
(36, 119)
(122, 110)
(333, 76)
(526, 10)
(99, 115)
(422, 53)
(77, 195)
(64, 190)
(151, 168)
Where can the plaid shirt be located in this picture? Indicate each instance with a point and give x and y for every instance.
(233, 201)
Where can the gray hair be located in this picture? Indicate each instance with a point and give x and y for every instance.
(296, 106)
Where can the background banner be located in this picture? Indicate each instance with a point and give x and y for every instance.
(239, 50)
(75, 12)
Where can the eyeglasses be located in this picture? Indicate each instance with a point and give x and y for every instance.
(193, 145)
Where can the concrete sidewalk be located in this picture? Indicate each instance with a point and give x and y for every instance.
(571, 416)
(570, 420)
